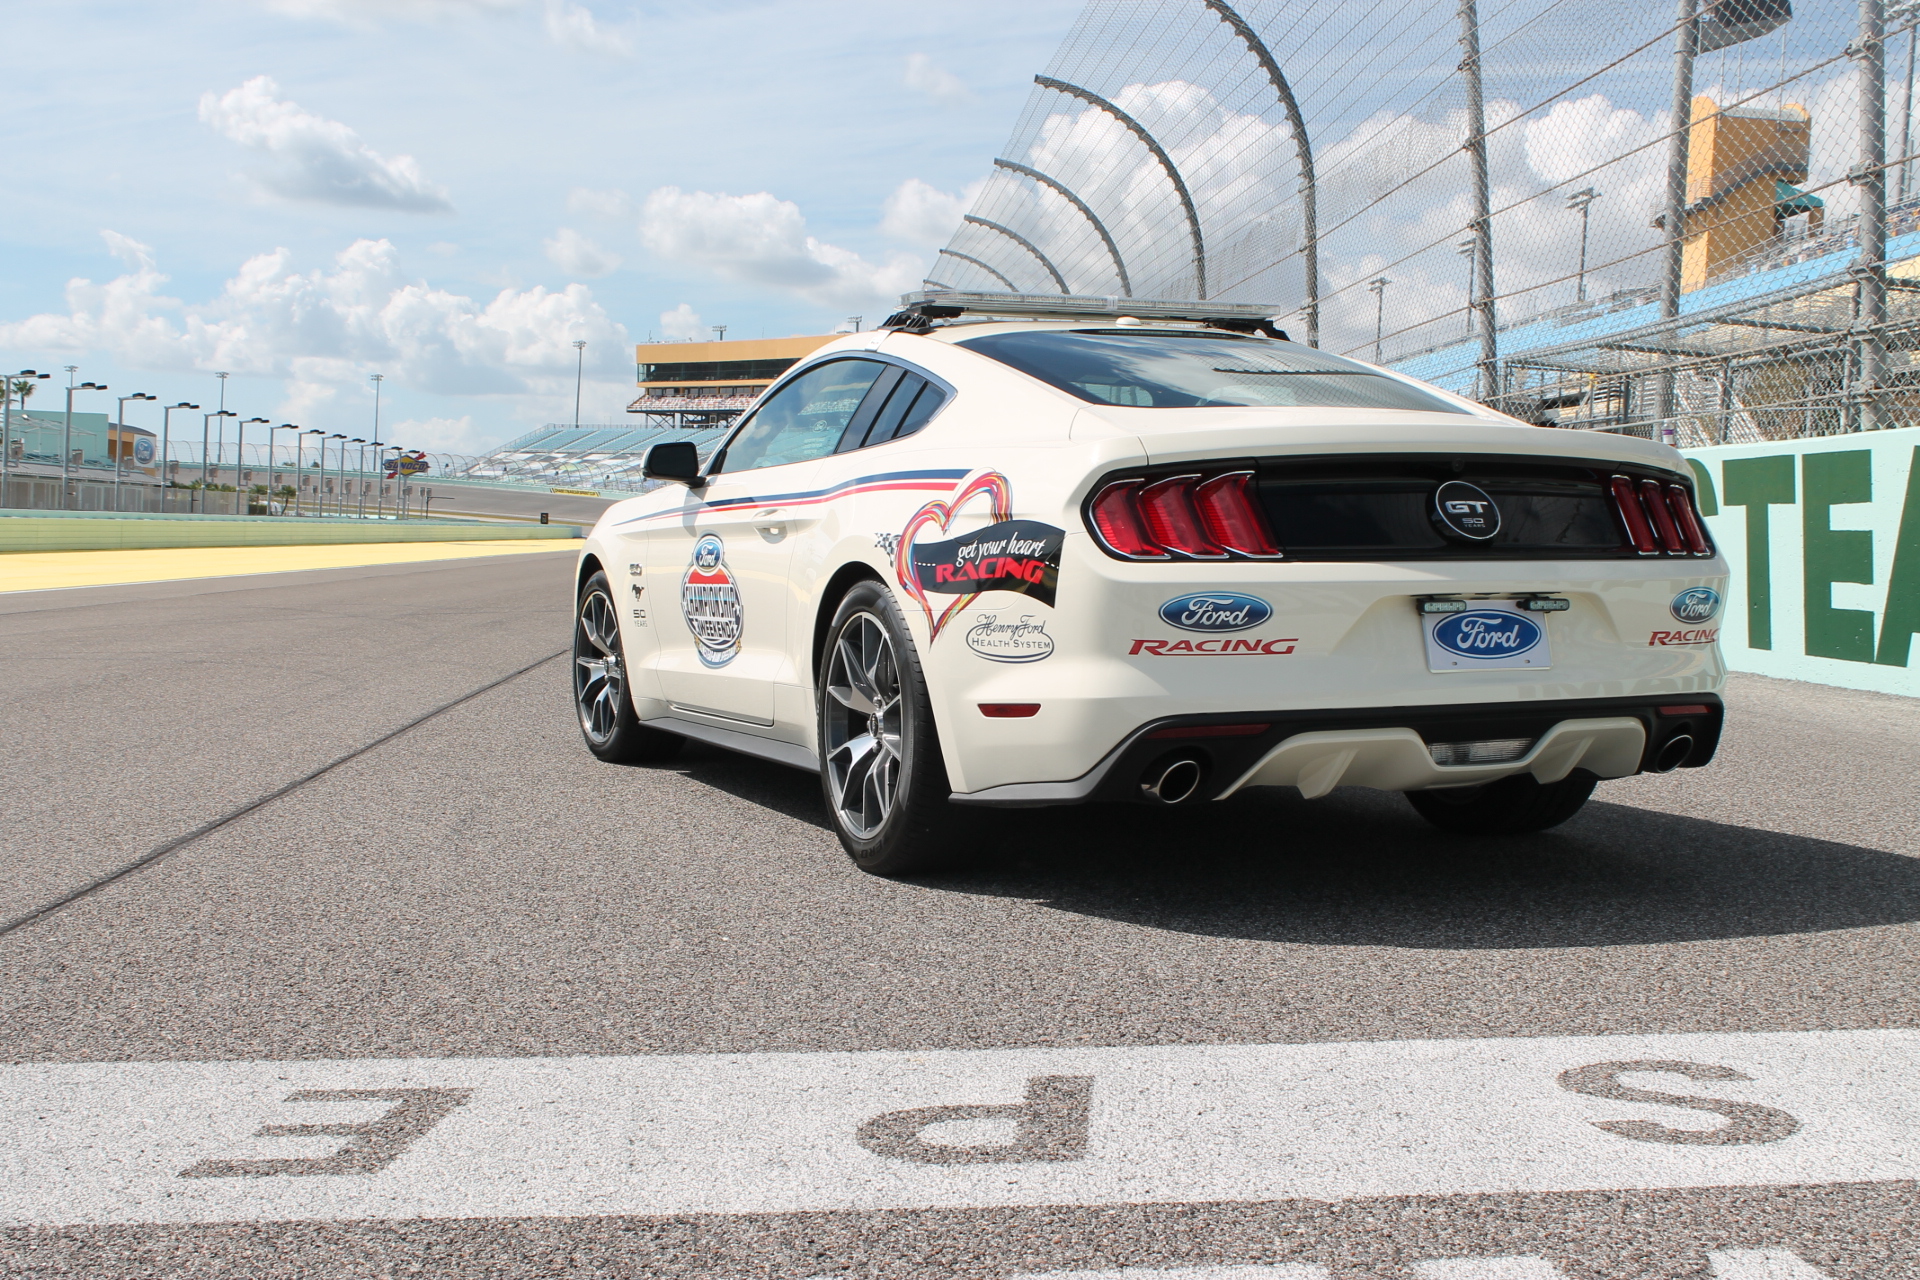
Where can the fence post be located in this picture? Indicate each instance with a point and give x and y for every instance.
(1870, 175)
(1486, 380)
(1686, 44)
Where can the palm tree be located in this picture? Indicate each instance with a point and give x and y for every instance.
(21, 389)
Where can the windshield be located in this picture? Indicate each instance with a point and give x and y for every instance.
(1182, 371)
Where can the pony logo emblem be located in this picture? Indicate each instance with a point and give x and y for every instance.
(710, 602)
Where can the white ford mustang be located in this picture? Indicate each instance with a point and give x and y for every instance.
(1156, 557)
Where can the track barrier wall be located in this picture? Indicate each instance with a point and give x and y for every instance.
(104, 531)
(1823, 537)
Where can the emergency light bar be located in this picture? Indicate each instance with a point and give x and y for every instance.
(919, 311)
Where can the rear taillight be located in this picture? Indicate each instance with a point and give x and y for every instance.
(1194, 517)
(1660, 520)
(1117, 520)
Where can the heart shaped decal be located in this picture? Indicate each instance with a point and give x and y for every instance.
(939, 513)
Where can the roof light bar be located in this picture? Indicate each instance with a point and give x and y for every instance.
(919, 310)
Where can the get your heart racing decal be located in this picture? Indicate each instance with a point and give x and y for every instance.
(1007, 555)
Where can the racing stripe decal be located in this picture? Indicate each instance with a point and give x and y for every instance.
(908, 481)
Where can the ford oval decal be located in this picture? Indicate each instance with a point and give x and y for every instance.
(1487, 633)
(1215, 611)
(1696, 604)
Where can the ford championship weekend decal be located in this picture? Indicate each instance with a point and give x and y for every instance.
(710, 602)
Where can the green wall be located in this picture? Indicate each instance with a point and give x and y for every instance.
(44, 531)
(1824, 540)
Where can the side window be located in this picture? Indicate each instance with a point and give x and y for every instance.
(906, 407)
(804, 419)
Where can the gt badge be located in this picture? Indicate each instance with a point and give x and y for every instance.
(1466, 510)
(710, 602)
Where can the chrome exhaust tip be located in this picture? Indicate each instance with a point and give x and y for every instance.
(1172, 781)
(1676, 749)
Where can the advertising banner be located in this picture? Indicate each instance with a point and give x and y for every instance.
(1823, 537)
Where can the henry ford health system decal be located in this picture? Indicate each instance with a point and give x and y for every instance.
(1021, 639)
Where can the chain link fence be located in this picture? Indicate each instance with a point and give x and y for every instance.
(1694, 220)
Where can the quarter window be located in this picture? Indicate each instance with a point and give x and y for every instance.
(804, 419)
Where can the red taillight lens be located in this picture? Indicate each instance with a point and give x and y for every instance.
(1117, 520)
(1656, 504)
(1627, 502)
(1681, 503)
(1167, 508)
(1009, 710)
(1230, 517)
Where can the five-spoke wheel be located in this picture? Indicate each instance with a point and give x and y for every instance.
(600, 692)
(861, 725)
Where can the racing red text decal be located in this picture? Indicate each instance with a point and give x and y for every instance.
(1226, 647)
(1701, 635)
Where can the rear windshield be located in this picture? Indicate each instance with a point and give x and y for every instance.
(1181, 371)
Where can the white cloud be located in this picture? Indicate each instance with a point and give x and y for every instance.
(612, 203)
(573, 26)
(442, 435)
(320, 159)
(576, 255)
(944, 87)
(682, 324)
(330, 326)
(761, 240)
(363, 13)
(920, 213)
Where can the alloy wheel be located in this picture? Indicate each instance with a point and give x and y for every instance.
(862, 719)
(599, 675)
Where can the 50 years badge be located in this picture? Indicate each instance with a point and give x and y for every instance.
(710, 602)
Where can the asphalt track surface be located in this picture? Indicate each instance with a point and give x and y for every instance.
(458, 1001)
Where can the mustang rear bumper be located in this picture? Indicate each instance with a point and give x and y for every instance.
(1390, 748)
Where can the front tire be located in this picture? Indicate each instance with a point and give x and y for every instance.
(1510, 807)
(600, 699)
(880, 765)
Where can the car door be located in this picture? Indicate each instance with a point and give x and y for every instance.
(720, 561)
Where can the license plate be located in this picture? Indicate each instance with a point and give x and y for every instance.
(1489, 633)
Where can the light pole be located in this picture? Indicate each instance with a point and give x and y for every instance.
(379, 478)
(166, 437)
(273, 475)
(359, 473)
(1582, 201)
(243, 506)
(1378, 288)
(579, 369)
(300, 481)
(206, 435)
(6, 433)
(120, 441)
(1468, 249)
(339, 474)
(66, 439)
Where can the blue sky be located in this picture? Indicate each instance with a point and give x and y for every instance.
(450, 191)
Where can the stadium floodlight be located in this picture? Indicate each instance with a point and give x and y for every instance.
(66, 441)
(6, 424)
(120, 441)
(921, 309)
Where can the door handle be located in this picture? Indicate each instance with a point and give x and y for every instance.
(771, 527)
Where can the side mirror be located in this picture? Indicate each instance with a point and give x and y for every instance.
(676, 460)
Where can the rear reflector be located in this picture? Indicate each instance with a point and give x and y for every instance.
(1686, 711)
(1488, 751)
(1209, 731)
(1009, 710)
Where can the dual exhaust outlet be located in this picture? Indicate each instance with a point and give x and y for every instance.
(1176, 779)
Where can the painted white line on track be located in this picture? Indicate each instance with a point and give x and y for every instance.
(1487, 1269)
(1762, 1264)
(1278, 1271)
(760, 1133)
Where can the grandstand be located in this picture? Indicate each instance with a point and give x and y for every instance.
(600, 456)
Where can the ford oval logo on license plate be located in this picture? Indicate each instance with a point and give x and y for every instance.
(1215, 611)
(1496, 634)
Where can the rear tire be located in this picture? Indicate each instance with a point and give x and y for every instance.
(881, 770)
(600, 700)
(1510, 807)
